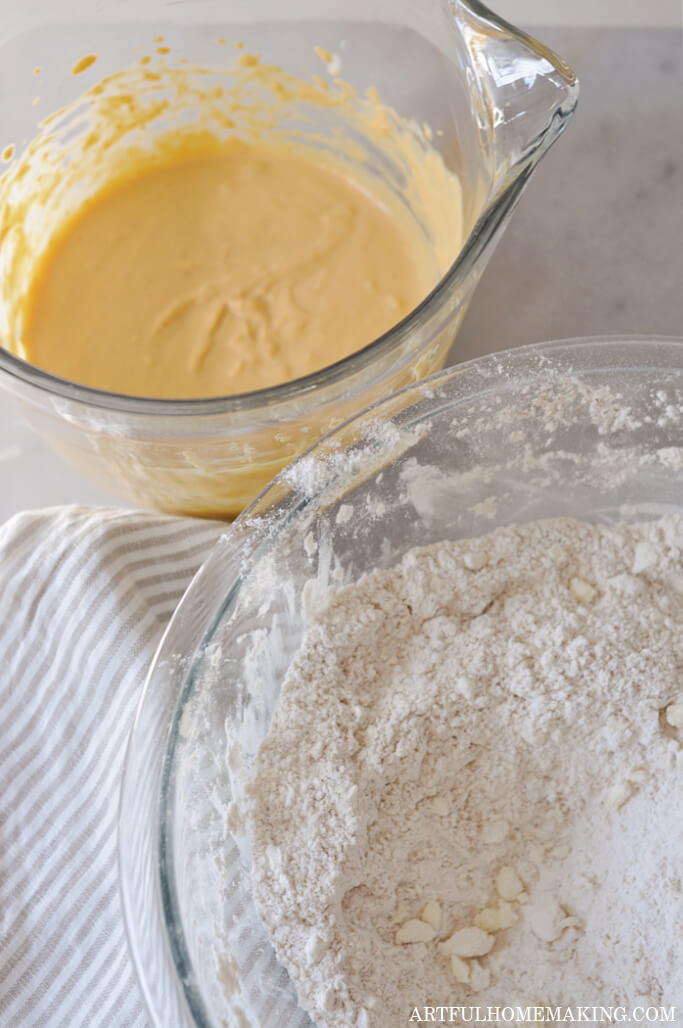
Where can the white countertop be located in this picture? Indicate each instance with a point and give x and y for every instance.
(594, 247)
(585, 13)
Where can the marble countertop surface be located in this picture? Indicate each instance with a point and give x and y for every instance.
(594, 247)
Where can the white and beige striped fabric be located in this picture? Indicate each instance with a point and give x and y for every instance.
(85, 595)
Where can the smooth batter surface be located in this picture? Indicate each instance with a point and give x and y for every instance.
(224, 272)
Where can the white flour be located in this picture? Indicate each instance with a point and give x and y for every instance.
(472, 789)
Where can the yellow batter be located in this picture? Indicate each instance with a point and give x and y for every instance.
(223, 272)
(188, 230)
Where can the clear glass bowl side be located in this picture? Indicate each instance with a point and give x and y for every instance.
(590, 429)
(213, 465)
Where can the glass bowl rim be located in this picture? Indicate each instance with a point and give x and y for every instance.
(122, 403)
(512, 359)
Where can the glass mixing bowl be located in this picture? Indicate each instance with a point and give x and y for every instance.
(494, 100)
(591, 429)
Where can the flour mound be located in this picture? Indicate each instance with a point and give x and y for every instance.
(472, 787)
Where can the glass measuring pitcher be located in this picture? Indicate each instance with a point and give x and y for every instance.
(491, 100)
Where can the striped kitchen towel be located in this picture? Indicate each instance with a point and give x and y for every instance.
(85, 596)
